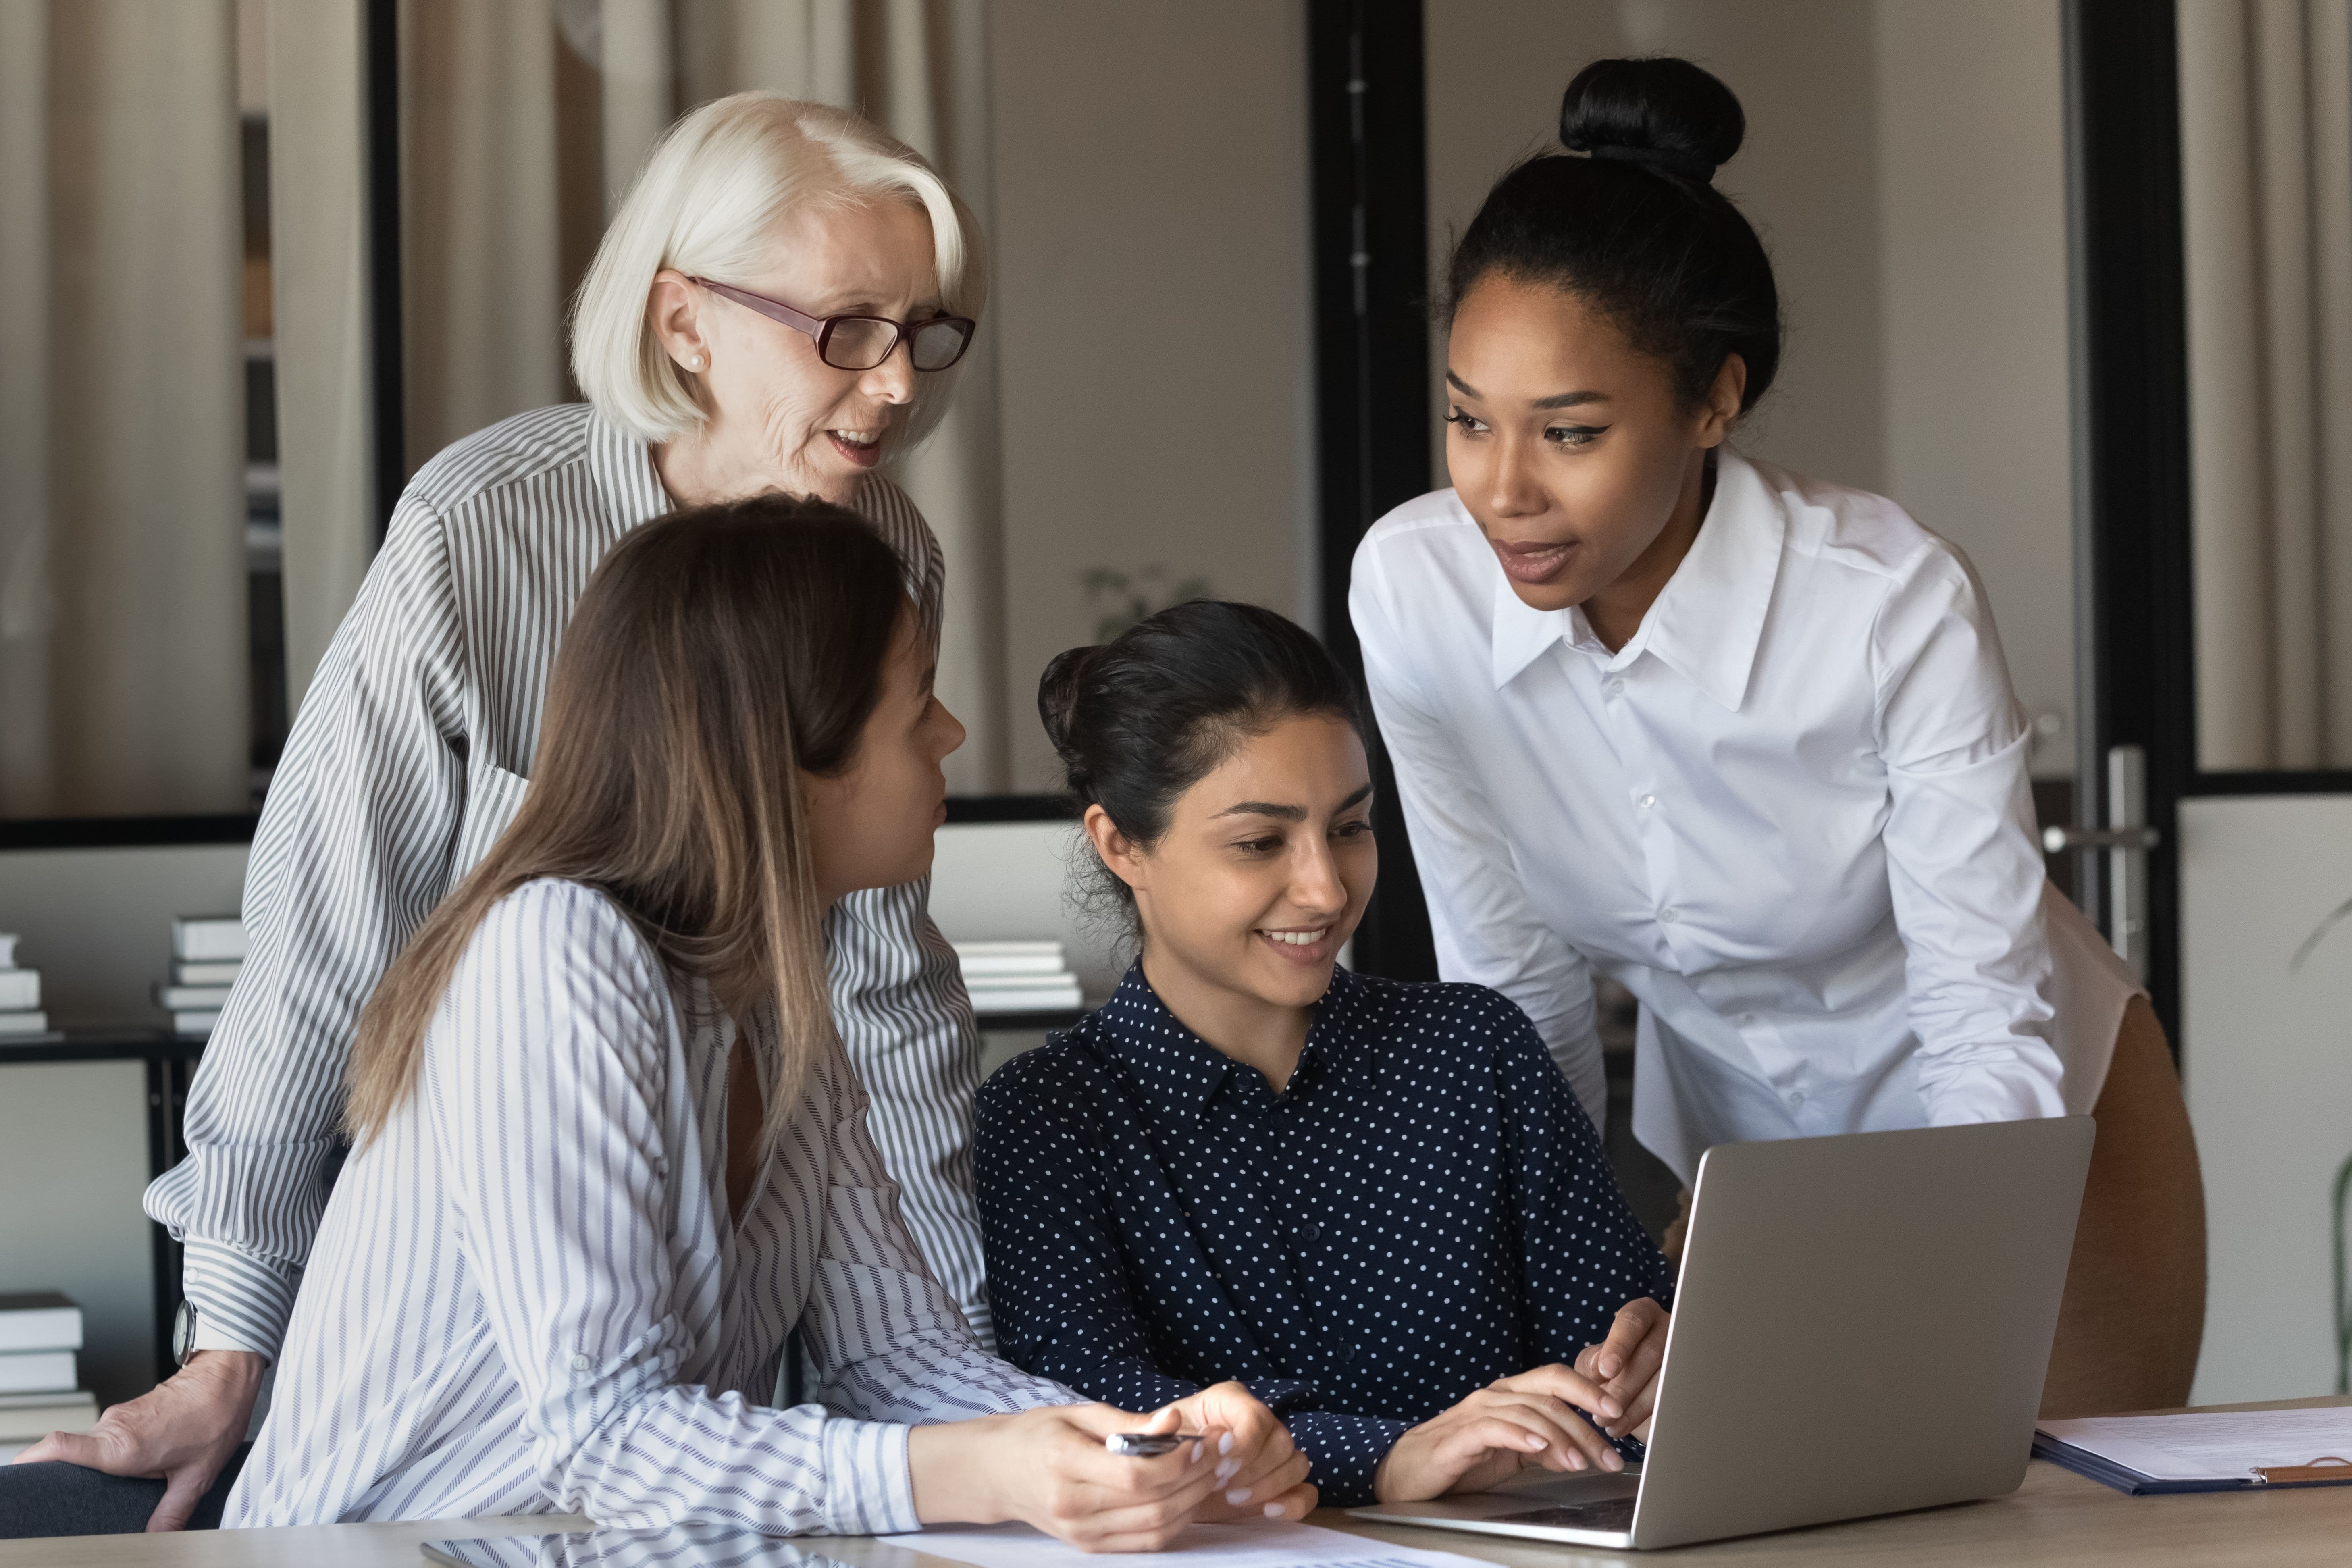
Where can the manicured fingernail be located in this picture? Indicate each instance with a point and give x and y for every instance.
(1575, 1460)
(1532, 1442)
(1611, 1409)
(1273, 1511)
(1228, 1468)
(1199, 1451)
(1238, 1495)
(1225, 1443)
(1612, 1461)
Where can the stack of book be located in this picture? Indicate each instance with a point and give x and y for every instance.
(39, 1336)
(20, 997)
(207, 953)
(1017, 977)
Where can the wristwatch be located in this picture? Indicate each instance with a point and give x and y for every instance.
(184, 1331)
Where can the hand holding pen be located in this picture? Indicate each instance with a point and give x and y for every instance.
(1062, 1468)
(1259, 1471)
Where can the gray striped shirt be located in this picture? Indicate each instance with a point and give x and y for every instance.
(409, 759)
(526, 1296)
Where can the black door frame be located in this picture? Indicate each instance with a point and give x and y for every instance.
(1368, 149)
(2131, 429)
(387, 344)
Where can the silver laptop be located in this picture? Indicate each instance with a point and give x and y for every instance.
(1862, 1326)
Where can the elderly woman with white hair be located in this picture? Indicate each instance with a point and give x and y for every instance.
(778, 305)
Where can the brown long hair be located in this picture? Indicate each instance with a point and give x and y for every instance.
(715, 655)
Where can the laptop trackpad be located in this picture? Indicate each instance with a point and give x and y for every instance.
(1527, 1497)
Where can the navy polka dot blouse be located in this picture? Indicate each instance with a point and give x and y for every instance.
(1423, 1210)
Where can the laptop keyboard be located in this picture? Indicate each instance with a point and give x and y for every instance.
(1610, 1513)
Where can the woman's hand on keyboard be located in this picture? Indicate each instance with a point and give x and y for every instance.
(1626, 1365)
(1533, 1418)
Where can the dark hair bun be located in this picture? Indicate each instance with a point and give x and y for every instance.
(1057, 694)
(1680, 115)
(1635, 226)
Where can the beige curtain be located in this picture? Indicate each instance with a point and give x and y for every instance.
(123, 662)
(2266, 140)
(482, 283)
(320, 288)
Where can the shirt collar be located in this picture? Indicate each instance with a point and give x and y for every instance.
(1709, 620)
(1173, 1065)
(624, 471)
(1176, 1068)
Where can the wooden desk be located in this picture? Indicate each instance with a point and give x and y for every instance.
(2056, 1517)
(324, 1546)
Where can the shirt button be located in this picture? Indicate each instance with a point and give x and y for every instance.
(1648, 801)
(581, 1364)
(1796, 1097)
(1616, 688)
(1670, 914)
(1310, 1233)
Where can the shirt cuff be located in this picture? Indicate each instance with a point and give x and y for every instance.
(208, 1337)
(869, 1490)
(242, 1303)
(1344, 1451)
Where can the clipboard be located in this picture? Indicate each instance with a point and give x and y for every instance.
(2326, 1470)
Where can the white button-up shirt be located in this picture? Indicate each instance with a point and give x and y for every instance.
(1790, 815)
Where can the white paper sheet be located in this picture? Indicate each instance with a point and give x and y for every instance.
(1268, 1545)
(2221, 1445)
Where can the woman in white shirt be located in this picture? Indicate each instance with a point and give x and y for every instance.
(608, 1148)
(1741, 739)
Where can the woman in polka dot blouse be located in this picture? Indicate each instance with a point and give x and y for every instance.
(1378, 1205)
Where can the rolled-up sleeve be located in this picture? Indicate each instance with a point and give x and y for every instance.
(1965, 876)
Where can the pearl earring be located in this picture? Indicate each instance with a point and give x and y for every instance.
(694, 364)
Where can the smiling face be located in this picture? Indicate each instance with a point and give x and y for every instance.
(782, 418)
(1571, 448)
(1262, 874)
(871, 825)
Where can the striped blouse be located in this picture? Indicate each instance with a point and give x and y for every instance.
(409, 759)
(524, 1296)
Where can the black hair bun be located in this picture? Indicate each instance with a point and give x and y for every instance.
(1664, 112)
(1057, 694)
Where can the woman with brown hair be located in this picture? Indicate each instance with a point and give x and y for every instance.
(608, 1149)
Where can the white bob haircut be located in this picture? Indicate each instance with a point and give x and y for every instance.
(712, 196)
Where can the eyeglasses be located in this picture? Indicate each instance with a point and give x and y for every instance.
(861, 342)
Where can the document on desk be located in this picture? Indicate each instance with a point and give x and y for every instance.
(1266, 1545)
(2208, 1450)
